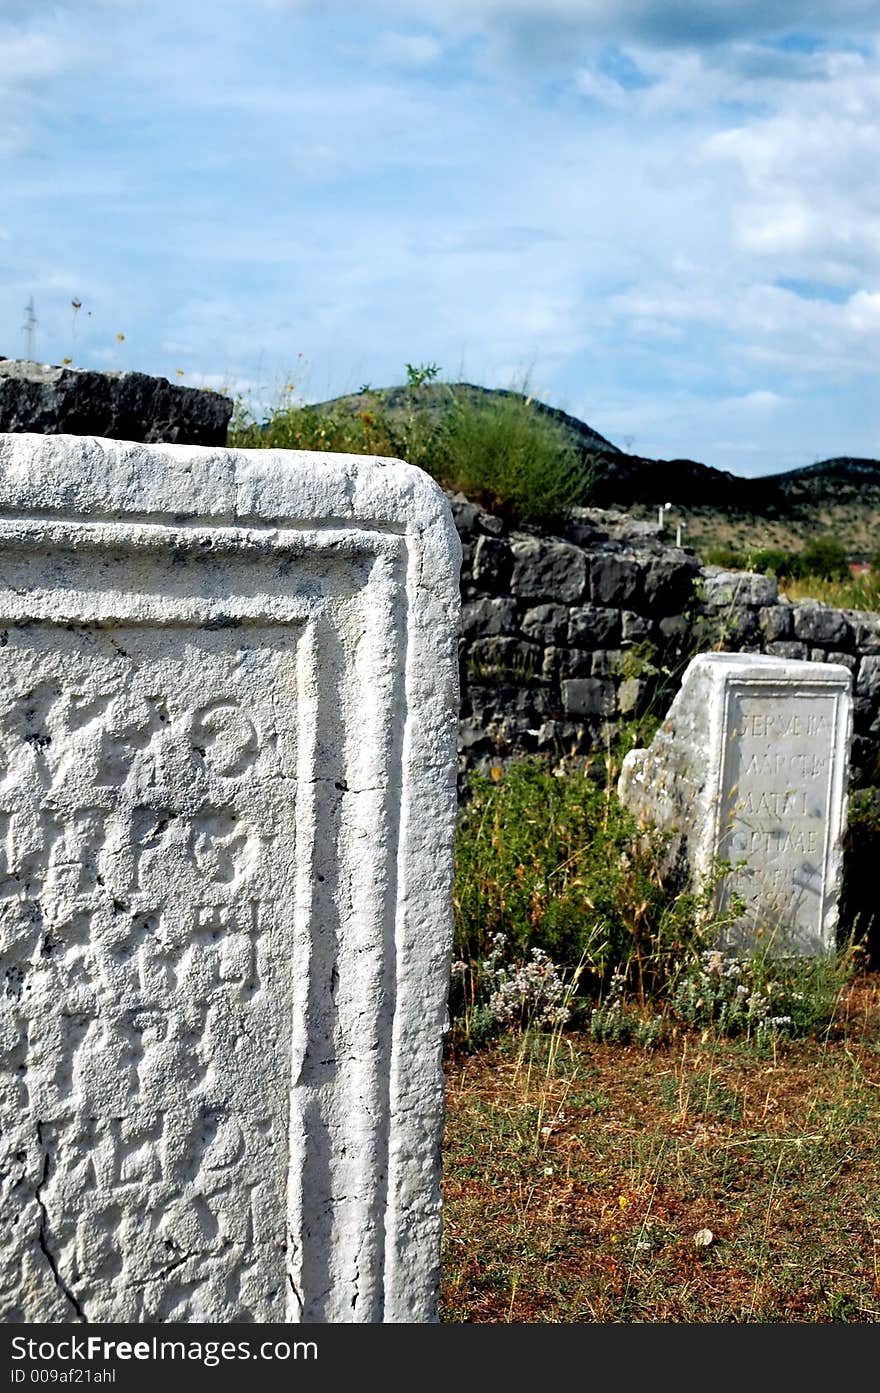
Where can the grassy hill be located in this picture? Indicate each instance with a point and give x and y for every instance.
(838, 497)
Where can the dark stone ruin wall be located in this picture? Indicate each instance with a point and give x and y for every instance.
(565, 639)
(117, 405)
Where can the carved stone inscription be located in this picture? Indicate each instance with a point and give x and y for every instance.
(146, 974)
(750, 767)
(777, 786)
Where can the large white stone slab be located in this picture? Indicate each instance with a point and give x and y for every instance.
(228, 719)
(750, 767)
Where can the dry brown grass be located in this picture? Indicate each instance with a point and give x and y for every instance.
(578, 1176)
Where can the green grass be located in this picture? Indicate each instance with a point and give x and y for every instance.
(859, 592)
(503, 453)
(511, 459)
(565, 913)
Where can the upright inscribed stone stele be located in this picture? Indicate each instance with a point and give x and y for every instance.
(750, 768)
(228, 719)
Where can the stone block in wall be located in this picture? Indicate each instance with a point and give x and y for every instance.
(668, 581)
(472, 737)
(634, 627)
(491, 523)
(488, 617)
(629, 694)
(615, 580)
(588, 696)
(547, 624)
(868, 680)
(536, 703)
(464, 514)
(605, 662)
(816, 623)
(737, 587)
(775, 622)
(591, 526)
(592, 626)
(843, 660)
(488, 700)
(555, 571)
(866, 630)
(788, 649)
(548, 736)
(492, 563)
(574, 662)
(550, 663)
(116, 405)
(739, 625)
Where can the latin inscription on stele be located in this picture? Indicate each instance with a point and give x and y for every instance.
(776, 810)
(224, 926)
(748, 776)
(148, 981)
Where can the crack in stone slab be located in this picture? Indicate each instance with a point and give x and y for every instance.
(44, 1232)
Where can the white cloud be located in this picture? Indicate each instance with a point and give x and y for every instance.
(408, 50)
(761, 400)
(386, 190)
(27, 57)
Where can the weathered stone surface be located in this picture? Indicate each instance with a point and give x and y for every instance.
(845, 659)
(227, 812)
(788, 649)
(738, 587)
(588, 696)
(868, 681)
(120, 405)
(866, 629)
(548, 570)
(488, 617)
(673, 628)
(586, 526)
(464, 514)
(546, 624)
(492, 563)
(634, 627)
(591, 626)
(775, 622)
(668, 581)
(817, 624)
(490, 523)
(574, 662)
(606, 662)
(615, 580)
(739, 625)
(629, 694)
(750, 766)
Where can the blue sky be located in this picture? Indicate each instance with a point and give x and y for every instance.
(665, 217)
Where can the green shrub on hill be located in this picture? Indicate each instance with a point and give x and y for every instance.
(823, 557)
(502, 452)
(512, 460)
